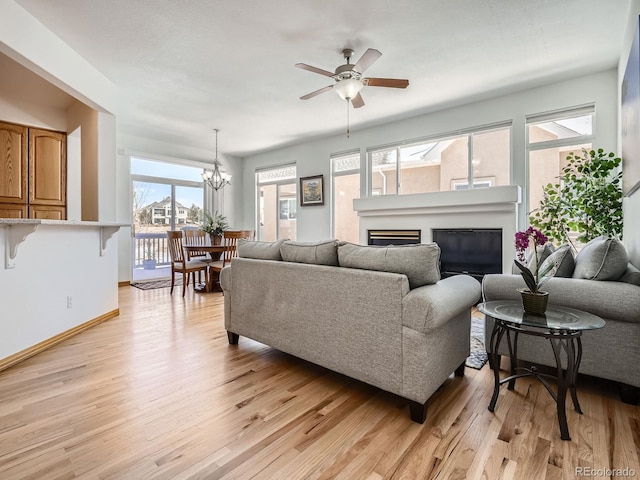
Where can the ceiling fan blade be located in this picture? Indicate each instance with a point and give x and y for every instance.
(317, 92)
(357, 101)
(367, 59)
(309, 68)
(386, 82)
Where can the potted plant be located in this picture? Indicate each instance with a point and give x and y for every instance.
(586, 200)
(215, 226)
(534, 300)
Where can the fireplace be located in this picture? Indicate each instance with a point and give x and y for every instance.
(393, 237)
(471, 251)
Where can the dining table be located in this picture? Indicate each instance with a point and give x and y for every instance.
(212, 278)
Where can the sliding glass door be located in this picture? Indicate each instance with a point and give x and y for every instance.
(165, 197)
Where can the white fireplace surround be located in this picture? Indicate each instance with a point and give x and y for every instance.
(493, 207)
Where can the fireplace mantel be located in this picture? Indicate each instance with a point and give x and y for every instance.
(493, 207)
(505, 198)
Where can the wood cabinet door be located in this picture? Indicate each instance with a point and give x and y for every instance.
(13, 163)
(8, 210)
(47, 167)
(47, 212)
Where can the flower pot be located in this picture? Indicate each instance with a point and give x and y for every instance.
(534, 303)
(149, 264)
(216, 239)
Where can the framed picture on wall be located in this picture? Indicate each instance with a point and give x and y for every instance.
(311, 191)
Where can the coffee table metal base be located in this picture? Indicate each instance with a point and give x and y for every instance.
(567, 341)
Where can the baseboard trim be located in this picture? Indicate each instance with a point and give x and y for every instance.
(126, 283)
(50, 342)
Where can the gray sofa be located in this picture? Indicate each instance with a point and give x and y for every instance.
(612, 352)
(367, 324)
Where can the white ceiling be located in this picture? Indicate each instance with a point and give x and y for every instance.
(184, 67)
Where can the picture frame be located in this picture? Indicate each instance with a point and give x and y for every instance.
(312, 190)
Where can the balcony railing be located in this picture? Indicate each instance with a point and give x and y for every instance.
(149, 246)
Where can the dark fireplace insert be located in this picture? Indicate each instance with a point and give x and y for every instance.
(474, 252)
(393, 237)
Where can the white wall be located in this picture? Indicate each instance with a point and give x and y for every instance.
(312, 158)
(631, 205)
(52, 263)
(32, 114)
(48, 56)
(55, 263)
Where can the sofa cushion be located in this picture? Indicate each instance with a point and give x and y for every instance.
(563, 260)
(601, 259)
(420, 263)
(543, 253)
(259, 250)
(317, 253)
(631, 275)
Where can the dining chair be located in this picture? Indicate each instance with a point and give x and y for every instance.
(197, 237)
(230, 240)
(181, 264)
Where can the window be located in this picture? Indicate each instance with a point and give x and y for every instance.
(345, 175)
(480, 158)
(550, 138)
(277, 195)
(166, 197)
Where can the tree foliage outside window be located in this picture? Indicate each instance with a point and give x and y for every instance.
(585, 203)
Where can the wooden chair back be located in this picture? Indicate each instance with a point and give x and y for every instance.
(175, 246)
(195, 236)
(231, 238)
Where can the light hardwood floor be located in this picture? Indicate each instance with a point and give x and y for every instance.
(158, 393)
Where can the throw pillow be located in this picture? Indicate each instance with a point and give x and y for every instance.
(563, 260)
(319, 253)
(543, 254)
(259, 250)
(601, 259)
(419, 262)
(632, 275)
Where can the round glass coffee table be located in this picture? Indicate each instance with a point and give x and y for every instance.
(563, 328)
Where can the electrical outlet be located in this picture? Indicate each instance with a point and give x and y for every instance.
(69, 304)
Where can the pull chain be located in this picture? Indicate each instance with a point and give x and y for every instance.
(348, 118)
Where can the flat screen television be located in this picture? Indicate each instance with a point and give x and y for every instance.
(475, 252)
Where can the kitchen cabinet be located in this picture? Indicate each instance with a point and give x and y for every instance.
(33, 168)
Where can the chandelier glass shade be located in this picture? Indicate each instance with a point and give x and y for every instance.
(216, 178)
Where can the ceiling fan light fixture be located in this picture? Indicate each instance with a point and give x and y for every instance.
(348, 88)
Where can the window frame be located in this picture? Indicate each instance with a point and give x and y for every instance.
(535, 119)
(334, 174)
(441, 137)
(277, 183)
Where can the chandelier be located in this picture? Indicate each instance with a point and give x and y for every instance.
(216, 178)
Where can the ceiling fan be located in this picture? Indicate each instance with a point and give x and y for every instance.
(349, 80)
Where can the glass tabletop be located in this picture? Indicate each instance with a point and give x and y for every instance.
(556, 317)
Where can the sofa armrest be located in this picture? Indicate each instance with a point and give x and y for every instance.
(225, 278)
(428, 307)
(609, 300)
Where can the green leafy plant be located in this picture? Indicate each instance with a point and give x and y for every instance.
(214, 225)
(586, 200)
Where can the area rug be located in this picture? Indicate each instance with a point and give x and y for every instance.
(153, 284)
(478, 356)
